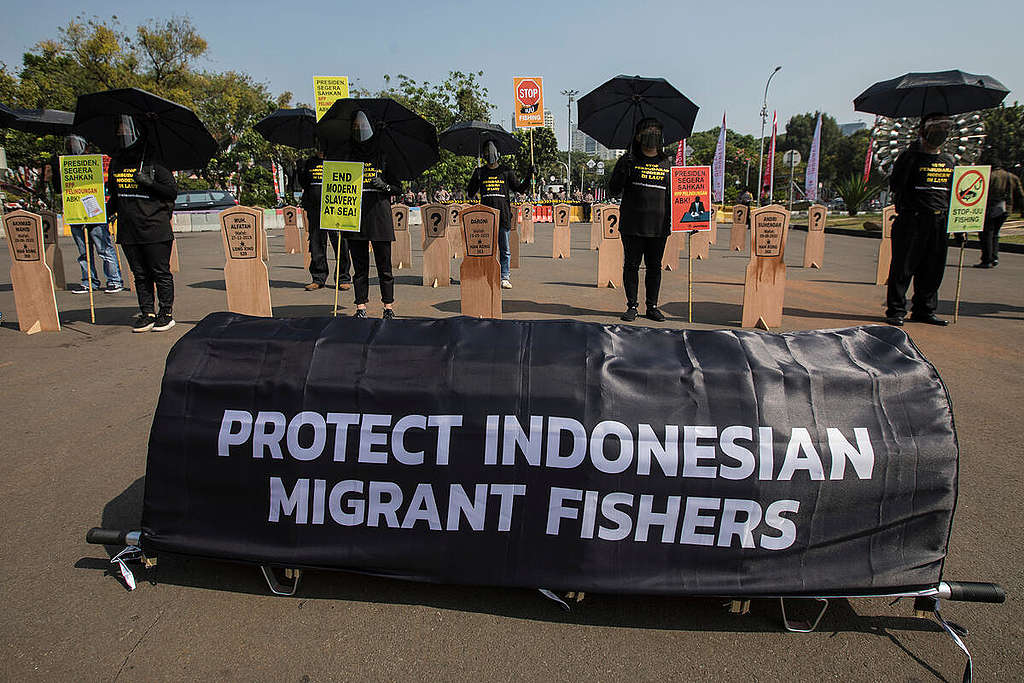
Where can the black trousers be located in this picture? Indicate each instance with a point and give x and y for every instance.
(360, 250)
(990, 239)
(151, 267)
(650, 250)
(318, 239)
(919, 245)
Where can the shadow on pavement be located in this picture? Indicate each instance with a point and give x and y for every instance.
(706, 312)
(523, 306)
(983, 309)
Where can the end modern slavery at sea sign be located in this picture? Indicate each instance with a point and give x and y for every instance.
(341, 195)
(525, 454)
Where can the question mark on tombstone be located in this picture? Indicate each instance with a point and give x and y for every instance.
(613, 222)
(435, 220)
(398, 219)
(290, 216)
(561, 216)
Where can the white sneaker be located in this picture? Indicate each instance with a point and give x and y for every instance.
(505, 284)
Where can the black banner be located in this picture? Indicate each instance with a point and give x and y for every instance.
(561, 455)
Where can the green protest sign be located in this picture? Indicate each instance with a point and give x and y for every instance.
(341, 196)
(82, 192)
(968, 199)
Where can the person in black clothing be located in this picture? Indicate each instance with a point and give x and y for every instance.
(921, 180)
(375, 224)
(641, 176)
(142, 195)
(311, 180)
(493, 181)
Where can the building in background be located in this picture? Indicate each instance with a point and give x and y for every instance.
(848, 129)
(581, 142)
(549, 120)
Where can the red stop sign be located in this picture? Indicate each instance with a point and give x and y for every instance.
(528, 92)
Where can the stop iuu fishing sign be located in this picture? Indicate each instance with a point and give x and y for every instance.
(968, 199)
(341, 196)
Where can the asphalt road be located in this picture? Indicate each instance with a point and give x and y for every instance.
(77, 407)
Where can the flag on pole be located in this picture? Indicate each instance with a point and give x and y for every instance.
(811, 177)
(769, 168)
(681, 153)
(273, 172)
(718, 167)
(870, 153)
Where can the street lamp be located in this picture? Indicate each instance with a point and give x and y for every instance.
(764, 120)
(571, 94)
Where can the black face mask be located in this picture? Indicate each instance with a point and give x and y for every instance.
(490, 153)
(650, 139)
(936, 133)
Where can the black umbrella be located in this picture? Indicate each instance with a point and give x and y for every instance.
(290, 127)
(942, 92)
(466, 138)
(407, 140)
(609, 113)
(7, 116)
(43, 121)
(173, 134)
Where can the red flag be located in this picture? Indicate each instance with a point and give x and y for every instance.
(868, 157)
(769, 167)
(681, 153)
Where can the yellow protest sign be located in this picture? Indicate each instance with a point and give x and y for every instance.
(968, 199)
(81, 179)
(341, 196)
(327, 90)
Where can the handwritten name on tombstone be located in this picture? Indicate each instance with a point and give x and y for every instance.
(479, 236)
(479, 274)
(24, 237)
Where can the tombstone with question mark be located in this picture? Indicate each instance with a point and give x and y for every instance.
(526, 225)
(480, 272)
(54, 257)
(814, 245)
(609, 253)
(292, 234)
(513, 240)
(401, 248)
(457, 247)
(738, 231)
(764, 287)
(31, 279)
(436, 246)
(561, 236)
(885, 248)
(596, 227)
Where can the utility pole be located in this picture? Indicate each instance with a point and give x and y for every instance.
(764, 120)
(571, 94)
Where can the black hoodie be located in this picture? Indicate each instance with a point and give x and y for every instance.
(143, 213)
(644, 183)
(375, 222)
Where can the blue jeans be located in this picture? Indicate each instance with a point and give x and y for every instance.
(100, 244)
(504, 254)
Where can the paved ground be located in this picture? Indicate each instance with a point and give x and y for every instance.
(77, 407)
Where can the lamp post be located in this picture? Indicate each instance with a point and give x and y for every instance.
(571, 94)
(764, 120)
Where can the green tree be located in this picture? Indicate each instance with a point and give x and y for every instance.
(545, 153)
(1004, 127)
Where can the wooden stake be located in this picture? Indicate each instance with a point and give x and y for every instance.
(689, 280)
(959, 279)
(337, 277)
(88, 273)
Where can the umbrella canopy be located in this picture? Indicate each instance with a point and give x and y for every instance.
(466, 138)
(407, 140)
(290, 127)
(7, 116)
(609, 113)
(943, 92)
(173, 134)
(37, 121)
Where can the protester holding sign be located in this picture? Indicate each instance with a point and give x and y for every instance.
(142, 194)
(641, 176)
(493, 181)
(311, 180)
(921, 180)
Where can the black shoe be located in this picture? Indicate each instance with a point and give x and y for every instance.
(163, 322)
(113, 289)
(655, 314)
(313, 286)
(360, 313)
(389, 314)
(894, 320)
(143, 322)
(995, 263)
(630, 314)
(929, 319)
(79, 289)
(983, 264)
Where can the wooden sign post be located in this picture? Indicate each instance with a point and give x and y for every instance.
(885, 248)
(526, 226)
(480, 273)
(245, 272)
(814, 246)
(54, 257)
(31, 279)
(738, 231)
(455, 238)
(436, 246)
(609, 253)
(401, 248)
(765, 286)
(292, 234)
(561, 237)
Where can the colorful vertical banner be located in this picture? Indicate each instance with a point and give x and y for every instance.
(868, 156)
(769, 167)
(273, 172)
(691, 198)
(811, 176)
(341, 196)
(718, 166)
(529, 97)
(82, 189)
(327, 90)
(968, 200)
(681, 153)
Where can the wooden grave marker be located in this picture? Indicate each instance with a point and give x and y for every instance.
(264, 242)
(513, 240)
(127, 276)
(480, 273)
(561, 236)
(609, 253)
(699, 246)
(713, 234)
(401, 248)
(31, 279)
(885, 248)
(54, 257)
(307, 255)
(526, 225)
(174, 263)
(814, 245)
(674, 244)
(246, 277)
(292, 234)
(596, 227)
(436, 246)
(455, 238)
(765, 285)
(738, 231)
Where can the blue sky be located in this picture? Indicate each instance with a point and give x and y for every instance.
(718, 54)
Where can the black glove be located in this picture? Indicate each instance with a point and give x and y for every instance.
(379, 183)
(144, 177)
